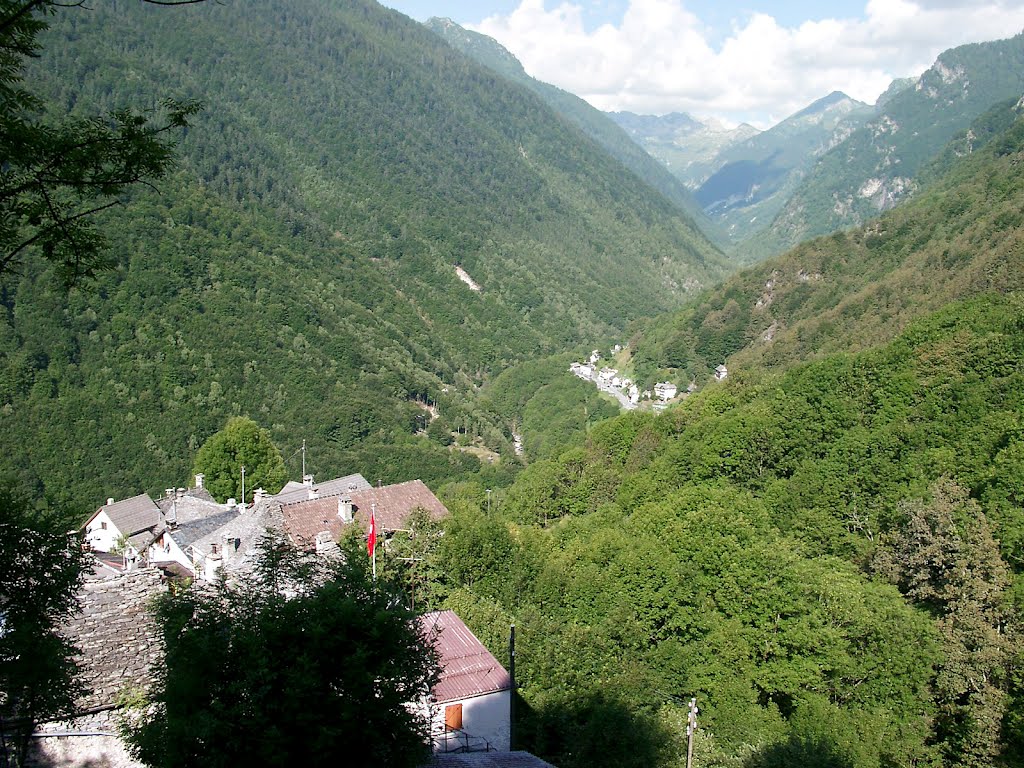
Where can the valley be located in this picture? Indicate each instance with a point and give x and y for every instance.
(704, 412)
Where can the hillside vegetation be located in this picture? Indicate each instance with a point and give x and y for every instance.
(856, 289)
(824, 558)
(591, 121)
(877, 165)
(300, 267)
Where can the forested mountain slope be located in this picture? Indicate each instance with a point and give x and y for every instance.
(756, 177)
(960, 236)
(823, 557)
(301, 266)
(877, 165)
(594, 123)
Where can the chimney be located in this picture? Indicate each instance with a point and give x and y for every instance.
(307, 480)
(212, 564)
(345, 508)
(325, 543)
(110, 500)
(181, 493)
(199, 480)
(172, 515)
(232, 503)
(258, 495)
(168, 493)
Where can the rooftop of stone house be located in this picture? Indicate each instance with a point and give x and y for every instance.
(294, 491)
(303, 520)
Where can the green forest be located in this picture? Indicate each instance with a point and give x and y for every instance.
(831, 559)
(299, 266)
(826, 549)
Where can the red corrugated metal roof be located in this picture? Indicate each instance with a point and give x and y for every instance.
(467, 668)
(488, 760)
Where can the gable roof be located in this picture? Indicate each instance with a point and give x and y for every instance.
(138, 518)
(468, 669)
(186, 534)
(294, 491)
(303, 520)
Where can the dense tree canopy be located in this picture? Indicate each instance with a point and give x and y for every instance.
(241, 446)
(56, 175)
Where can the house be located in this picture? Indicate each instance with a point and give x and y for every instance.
(665, 390)
(126, 526)
(470, 705)
(188, 516)
(721, 373)
(308, 489)
(392, 505)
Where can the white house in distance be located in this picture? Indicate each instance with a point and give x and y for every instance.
(470, 705)
(127, 525)
(665, 390)
(721, 373)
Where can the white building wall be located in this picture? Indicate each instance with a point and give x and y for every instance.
(100, 538)
(166, 550)
(483, 717)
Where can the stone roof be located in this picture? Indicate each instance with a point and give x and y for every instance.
(303, 520)
(293, 491)
(117, 636)
(131, 516)
(245, 529)
(188, 533)
(468, 669)
(487, 760)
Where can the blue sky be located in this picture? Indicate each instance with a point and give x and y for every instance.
(730, 60)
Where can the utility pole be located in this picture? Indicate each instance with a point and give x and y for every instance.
(488, 501)
(303, 460)
(691, 726)
(512, 693)
(243, 486)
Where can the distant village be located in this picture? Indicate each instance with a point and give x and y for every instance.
(140, 545)
(626, 391)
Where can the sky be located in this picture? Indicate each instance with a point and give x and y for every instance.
(732, 60)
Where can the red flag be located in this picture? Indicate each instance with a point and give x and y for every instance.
(371, 540)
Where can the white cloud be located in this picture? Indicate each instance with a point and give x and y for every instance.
(657, 59)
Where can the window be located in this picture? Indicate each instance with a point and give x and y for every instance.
(103, 526)
(453, 717)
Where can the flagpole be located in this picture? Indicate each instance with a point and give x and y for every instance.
(373, 539)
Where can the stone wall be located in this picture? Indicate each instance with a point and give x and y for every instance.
(119, 642)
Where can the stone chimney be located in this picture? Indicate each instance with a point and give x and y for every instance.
(325, 543)
(212, 565)
(181, 493)
(199, 480)
(110, 500)
(307, 480)
(232, 503)
(345, 508)
(258, 495)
